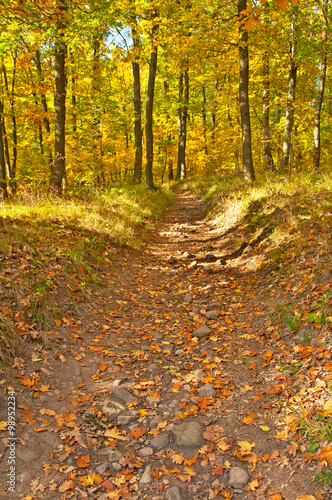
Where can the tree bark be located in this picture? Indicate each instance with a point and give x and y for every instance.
(290, 108)
(3, 181)
(269, 164)
(181, 171)
(59, 165)
(320, 92)
(149, 113)
(10, 93)
(97, 144)
(248, 165)
(46, 120)
(137, 108)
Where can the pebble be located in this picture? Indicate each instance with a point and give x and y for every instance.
(238, 477)
(193, 264)
(160, 441)
(188, 298)
(174, 494)
(207, 391)
(171, 260)
(120, 394)
(147, 451)
(199, 375)
(189, 434)
(125, 419)
(201, 332)
(116, 466)
(152, 401)
(155, 421)
(214, 305)
(146, 477)
(212, 314)
(102, 468)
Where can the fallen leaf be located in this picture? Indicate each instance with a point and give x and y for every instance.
(83, 461)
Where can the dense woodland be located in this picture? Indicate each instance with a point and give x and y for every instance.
(99, 92)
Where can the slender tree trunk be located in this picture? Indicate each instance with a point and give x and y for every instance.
(181, 171)
(204, 121)
(6, 147)
(319, 102)
(286, 148)
(96, 119)
(269, 165)
(138, 109)
(3, 181)
(10, 93)
(248, 165)
(149, 113)
(59, 166)
(290, 108)
(46, 120)
(40, 128)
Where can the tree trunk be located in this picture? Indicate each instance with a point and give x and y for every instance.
(59, 166)
(10, 93)
(269, 164)
(181, 171)
(3, 182)
(248, 165)
(319, 102)
(204, 121)
(149, 113)
(286, 148)
(290, 108)
(96, 117)
(138, 109)
(46, 120)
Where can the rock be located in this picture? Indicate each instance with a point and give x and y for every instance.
(146, 477)
(188, 255)
(125, 419)
(113, 407)
(207, 391)
(207, 270)
(189, 434)
(193, 264)
(212, 314)
(160, 441)
(202, 331)
(101, 469)
(114, 455)
(78, 371)
(155, 421)
(116, 466)
(174, 494)
(188, 298)
(199, 375)
(210, 256)
(147, 451)
(238, 477)
(172, 260)
(152, 401)
(214, 305)
(119, 394)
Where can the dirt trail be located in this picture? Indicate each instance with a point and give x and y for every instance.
(164, 387)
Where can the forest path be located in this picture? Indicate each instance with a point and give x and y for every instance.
(164, 388)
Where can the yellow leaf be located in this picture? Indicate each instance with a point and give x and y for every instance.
(115, 433)
(245, 446)
(265, 428)
(3, 425)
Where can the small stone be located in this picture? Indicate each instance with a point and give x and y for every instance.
(188, 255)
(188, 298)
(114, 455)
(125, 419)
(160, 441)
(174, 494)
(147, 451)
(187, 387)
(212, 314)
(189, 434)
(207, 391)
(116, 466)
(214, 305)
(193, 264)
(178, 352)
(122, 395)
(152, 401)
(220, 262)
(238, 477)
(101, 469)
(146, 477)
(199, 375)
(210, 256)
(155, 421)
(201, 332)
(248, 249)
(78, 371)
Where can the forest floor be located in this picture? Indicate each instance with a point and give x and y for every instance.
(188, 373)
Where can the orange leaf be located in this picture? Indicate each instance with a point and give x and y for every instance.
(137, 432)
(177, 459)
(28, 417)
(58, 322)
(83, 461)
(67, 485)
(218, 470)
(103, 366)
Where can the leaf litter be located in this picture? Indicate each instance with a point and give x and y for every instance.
(103, 398)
